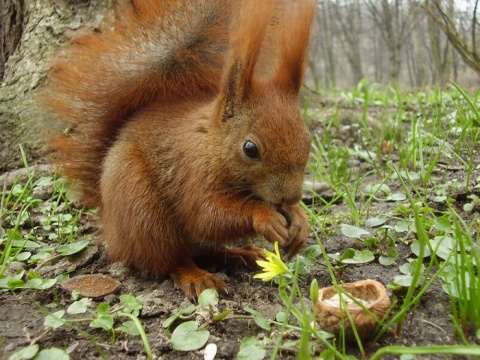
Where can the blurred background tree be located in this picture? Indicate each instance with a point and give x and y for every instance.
(411, 43)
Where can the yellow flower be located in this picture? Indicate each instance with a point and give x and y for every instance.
(274, 265)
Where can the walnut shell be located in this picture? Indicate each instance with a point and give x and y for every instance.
(332, 318)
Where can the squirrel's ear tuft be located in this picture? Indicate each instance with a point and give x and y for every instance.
(247, 34)
(293, 36)
(232, 90)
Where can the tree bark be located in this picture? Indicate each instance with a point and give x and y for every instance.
(11, 17)
(31, 31)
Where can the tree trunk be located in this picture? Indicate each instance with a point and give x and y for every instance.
(349, 22)
(324, 19)
(11, 17)
(30, 32)
(419, 55)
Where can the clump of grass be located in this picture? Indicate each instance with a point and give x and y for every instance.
(431, 131)
(462, 276)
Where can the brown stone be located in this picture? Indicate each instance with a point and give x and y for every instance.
(92, 286)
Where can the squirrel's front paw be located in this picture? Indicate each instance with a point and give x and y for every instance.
(272, 225)
(298, 228)
(247, 256)
(288, 225)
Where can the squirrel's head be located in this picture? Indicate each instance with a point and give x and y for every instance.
(262, 139)
(264, 145)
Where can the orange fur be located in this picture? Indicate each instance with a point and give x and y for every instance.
(161, 105)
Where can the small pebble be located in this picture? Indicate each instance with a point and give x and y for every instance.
(210, 352)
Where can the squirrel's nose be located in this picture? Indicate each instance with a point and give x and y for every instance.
(292, 199)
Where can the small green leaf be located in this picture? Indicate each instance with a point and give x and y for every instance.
(25, 244)
(352, 231)
(40, 284)
(258, 318)
(362, 257)
(55, 320)
(261, 322)
(403, 280)
(131, 303)
(62, 278)
(46, 180)
(352, 256)
(440, 198)
(249, 350)
(403, 225)
(188, 336)
(23, 256)
(73, 248)
(25, 353)
(371, 241)
(79, 307)
(103, 309)
(302, 264)
(388, 257)
(397, 197)
(312, 252)
(222, 315)
(443, 224)
(468, 207)
(377, 189)
(75, 295)
(208, 297)
(374, 222)
(403, 209)
(52, 353)
(337, 257)
(415, 247)
(409, 268)
(328, 355)
(386, 260)
(170, 320)
(103, 321)
(129, 327)
(11, 283)
(280, 317)
(19, 274)
(443, 246)
(40, 256)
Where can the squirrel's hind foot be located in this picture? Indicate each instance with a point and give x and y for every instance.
(192, 281)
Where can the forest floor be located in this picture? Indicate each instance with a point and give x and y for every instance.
(365, 143)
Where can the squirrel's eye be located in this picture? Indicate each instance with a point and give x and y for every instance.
(251, 150)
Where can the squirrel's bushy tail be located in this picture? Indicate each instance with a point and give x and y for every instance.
(154, 51)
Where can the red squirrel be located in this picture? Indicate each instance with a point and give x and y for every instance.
(185, 131)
